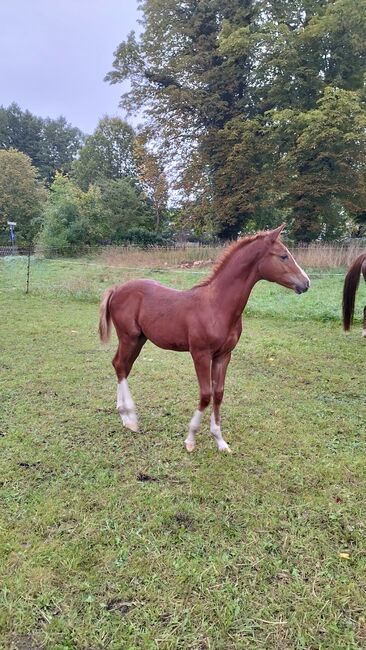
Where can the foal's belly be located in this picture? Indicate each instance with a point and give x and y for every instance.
(168, 343)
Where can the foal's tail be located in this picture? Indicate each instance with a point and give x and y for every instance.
(105, 317)
(351, 283)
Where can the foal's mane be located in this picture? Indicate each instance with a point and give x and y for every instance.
(228, 253)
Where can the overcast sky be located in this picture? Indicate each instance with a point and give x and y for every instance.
(54, 55)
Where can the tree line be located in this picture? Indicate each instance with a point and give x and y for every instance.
(253, 113)
(66, 190)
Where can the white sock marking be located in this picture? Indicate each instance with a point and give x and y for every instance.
(216, 432)
(126, 406)
(190, 441)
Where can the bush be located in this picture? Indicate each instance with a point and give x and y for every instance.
(144, 238)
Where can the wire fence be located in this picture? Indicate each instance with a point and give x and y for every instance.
(85, 272)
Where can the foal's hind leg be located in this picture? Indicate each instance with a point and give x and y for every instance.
(364, 322)
(202, 363)
(128, 350)
(218, 374)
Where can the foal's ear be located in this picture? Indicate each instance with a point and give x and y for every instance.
(274, 234)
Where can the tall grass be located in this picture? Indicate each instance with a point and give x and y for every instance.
(326, 256)
(313, 256)
(157, 257)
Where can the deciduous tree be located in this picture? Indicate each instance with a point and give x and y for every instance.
(51, 144)
(72, 218)
(110, 213)
(107, 153)
(152, 179)
(219, 82)
(22, 195)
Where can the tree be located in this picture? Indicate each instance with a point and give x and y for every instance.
(190, 86)
(51, 144)
(151, 178)
(315, 115)
(61, 143)
(125, 209)
(107, 154)
(72, 218)
(22, 131)
(212, 78)
(22, 195)
(323, 169)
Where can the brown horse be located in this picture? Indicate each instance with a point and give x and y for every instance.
(204, 320)
(351, 283)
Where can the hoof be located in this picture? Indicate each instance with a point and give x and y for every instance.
(190, 446)
(130, 424)
(225, 449)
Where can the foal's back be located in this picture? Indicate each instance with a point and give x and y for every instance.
(158, 312)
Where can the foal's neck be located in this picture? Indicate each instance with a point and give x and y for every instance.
(232, 284)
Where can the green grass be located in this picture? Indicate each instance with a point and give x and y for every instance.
(214, 551)
(85, 280)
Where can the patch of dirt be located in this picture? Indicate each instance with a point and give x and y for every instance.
(183, 520)
(145, 477)
(28, 465)
(25, 642)
(119, 605)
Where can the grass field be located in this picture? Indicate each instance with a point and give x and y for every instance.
(116, 540)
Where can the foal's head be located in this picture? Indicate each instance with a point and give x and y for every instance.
(278, 265)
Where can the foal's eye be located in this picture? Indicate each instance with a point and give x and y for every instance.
(284, 257)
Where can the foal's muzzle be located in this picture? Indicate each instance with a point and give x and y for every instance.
(303, 287)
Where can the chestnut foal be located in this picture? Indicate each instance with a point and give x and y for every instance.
(204, 320)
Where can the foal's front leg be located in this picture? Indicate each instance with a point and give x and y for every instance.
(218, 374)
(202, 364)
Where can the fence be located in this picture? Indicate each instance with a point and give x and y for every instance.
(8, 250)
(86, 273)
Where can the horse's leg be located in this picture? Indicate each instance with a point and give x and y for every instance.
(128, 350)
(364, 322)
(202, 364)
(218, 374)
